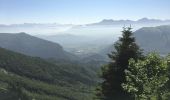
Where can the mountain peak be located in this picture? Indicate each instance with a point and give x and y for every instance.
(148, 20)
(107, 20)
(143, 19)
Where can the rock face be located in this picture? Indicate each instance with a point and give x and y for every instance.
(33, 46)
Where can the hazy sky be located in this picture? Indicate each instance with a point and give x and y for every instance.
(80, 11)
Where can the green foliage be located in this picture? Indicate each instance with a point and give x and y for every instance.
(113, 74)
(146, 78)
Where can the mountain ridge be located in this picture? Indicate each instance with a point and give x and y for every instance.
(122, 22)
(33, 46)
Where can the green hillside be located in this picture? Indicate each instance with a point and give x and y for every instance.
(43, 80)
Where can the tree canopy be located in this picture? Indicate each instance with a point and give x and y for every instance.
(146, 79)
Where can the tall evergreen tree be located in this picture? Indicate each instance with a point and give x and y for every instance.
(113, 74)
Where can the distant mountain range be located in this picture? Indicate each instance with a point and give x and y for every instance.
(33, 46)
(125, 22)
(103, 22)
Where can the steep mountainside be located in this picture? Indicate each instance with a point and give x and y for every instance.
(33, 46)
(154, 39)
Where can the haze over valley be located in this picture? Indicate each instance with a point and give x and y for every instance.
(82, 39)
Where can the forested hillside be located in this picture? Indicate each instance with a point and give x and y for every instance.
(42, 80)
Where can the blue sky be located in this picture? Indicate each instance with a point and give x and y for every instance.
(80, 11)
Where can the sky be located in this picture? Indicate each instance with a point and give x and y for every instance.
(80, 11)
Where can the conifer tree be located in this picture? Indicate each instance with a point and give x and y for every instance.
(113, 74)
